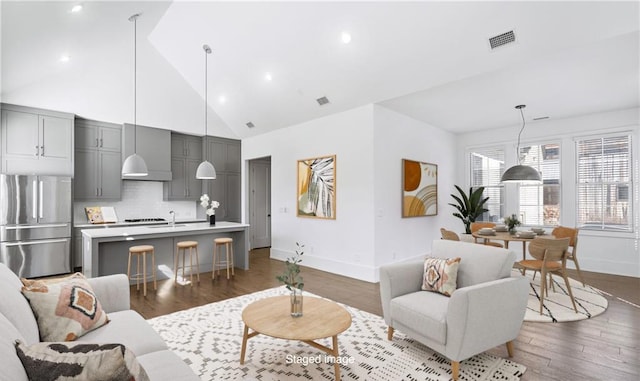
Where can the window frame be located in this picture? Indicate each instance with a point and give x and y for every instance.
(502, 204)
(551, 141)
(603, 227)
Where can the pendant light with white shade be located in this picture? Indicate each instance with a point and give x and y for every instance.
(523, 174)
(134, 164)
(206, 170)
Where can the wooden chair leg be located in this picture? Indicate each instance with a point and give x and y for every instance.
(566, 282)
(575, 261)
(455, 370)
(510, 348)
(390, 333)
(543, 286)
(144, 273)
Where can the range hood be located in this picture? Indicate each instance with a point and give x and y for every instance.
(154, 145)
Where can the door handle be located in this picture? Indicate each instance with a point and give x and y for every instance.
(40, 201)
(36, 227)
(34, 193)
(38, 242)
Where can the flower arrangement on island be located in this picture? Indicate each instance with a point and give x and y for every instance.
(209, 206)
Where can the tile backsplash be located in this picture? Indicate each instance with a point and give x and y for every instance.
(140, 199)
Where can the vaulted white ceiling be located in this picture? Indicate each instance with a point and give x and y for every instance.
(429, 60)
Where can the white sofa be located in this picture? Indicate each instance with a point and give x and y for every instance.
(125, 327)
(486, 309)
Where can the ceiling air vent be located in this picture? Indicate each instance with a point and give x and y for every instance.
(502, 39)
(322, 101)
(250, 124)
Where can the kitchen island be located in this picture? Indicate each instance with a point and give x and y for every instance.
(106, 251)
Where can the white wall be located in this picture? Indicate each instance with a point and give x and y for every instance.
(344, 245)
(370, 143)
(605, 252)
(398, 137)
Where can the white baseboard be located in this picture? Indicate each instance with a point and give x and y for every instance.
(352, 270)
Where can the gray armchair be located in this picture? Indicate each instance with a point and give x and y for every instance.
(486, 310)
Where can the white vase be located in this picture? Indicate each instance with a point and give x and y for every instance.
(466, 237)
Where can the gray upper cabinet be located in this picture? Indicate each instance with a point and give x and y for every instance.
(186, 155)
(225, 156)
(98, 155)
(154, 145)
(36, 141)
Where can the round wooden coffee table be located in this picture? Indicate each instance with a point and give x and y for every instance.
(321, 318)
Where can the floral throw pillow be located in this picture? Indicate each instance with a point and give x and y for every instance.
(65, 308)
(79, 361)
(440, 275)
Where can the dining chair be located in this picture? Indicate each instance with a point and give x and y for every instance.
(449, 235)
(475, 226)
(550, 257)
(572, 234)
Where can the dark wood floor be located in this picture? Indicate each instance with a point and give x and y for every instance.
(605, 347)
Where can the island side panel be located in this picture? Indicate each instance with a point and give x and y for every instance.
(109, 255)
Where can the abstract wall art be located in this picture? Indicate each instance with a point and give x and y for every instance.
(419, 189)
(316, 190)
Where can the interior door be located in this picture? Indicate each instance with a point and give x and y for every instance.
(260, 199)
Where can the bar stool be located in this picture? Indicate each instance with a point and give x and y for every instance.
(228, 245)
(142, 250)
(184, 245)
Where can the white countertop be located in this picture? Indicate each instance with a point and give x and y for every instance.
(87, 225)
(131, 231)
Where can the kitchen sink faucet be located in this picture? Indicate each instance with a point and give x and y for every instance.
(173, 217)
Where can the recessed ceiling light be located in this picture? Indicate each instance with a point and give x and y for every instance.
(222, 99)
(64, 58)
(346, 37)
(268, 77)
(76, 8)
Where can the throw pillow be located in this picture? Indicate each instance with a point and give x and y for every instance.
(79, 361)
(440, 275)
(65, 308)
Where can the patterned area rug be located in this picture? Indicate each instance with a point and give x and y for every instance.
(557, 305)
(208, 338)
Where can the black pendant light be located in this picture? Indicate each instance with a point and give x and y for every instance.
(522, 174)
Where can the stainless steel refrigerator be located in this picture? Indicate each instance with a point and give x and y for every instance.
(35, 224)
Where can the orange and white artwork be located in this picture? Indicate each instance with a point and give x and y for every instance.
(420, 189)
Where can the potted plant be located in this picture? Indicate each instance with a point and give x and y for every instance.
(293, 281)
(512, 221)
(469, 207)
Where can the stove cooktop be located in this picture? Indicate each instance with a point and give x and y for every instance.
(144, 219)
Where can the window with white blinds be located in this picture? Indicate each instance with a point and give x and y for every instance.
(487, 165)
(604, 183)
(540, 204)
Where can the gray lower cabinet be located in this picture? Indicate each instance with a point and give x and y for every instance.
(36, 141)
(225, 156)
(97, 164)
(186, 156)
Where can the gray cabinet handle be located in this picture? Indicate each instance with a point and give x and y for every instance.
(41, 150)
(96, 142)
(37, 151)
(100, 142)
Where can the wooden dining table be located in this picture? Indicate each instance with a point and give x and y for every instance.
(507, 237)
